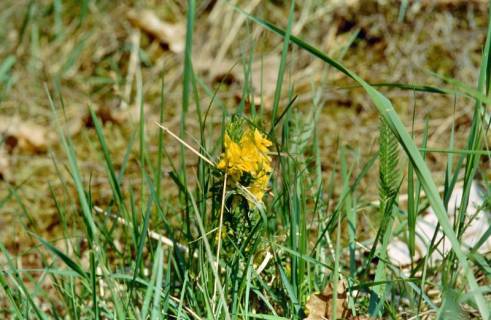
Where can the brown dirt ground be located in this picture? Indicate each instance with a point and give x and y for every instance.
(92, 64)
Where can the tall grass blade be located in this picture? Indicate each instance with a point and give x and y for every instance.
(281, 71)
(159, 260)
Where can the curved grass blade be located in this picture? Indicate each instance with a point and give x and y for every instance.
(66, 259)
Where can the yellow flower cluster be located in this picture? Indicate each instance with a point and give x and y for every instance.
(248, 157)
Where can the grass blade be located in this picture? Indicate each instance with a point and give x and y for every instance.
(69, 262)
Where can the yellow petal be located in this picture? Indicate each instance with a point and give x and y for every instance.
(222, 164)
(261, 142)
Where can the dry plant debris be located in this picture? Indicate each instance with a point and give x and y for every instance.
(25, 135)
(171, 34)
(4, 165)
(319, 305)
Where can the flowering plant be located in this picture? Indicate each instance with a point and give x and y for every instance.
(245, 158)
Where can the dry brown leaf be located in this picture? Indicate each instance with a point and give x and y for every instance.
(226, 71)
(318, 306)
(110, 114)
(167, 33)
(4, 165)
(263, 75)
(24, 135)
(452, 2)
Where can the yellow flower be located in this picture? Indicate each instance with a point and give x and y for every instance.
(231, 159)
(261, 142)
(247, 155)
(259, 186)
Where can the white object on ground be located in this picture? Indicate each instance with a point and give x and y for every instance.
(476, 218)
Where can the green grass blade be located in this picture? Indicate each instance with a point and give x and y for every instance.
(148, 293)
(107, 157)
(10, 295)
(281, 71)
(159, 261)
(75, 172)
(20, 283)
(160, 152)
(289, 289)
(6, 66)
(69, 262)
